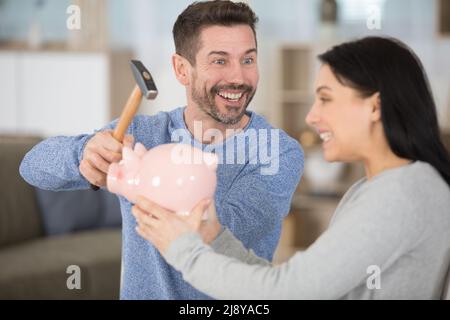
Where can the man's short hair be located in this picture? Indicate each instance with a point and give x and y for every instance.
(198, 15)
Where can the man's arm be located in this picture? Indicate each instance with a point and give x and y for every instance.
(54, 164)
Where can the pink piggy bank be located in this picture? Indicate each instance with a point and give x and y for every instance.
(175, 176)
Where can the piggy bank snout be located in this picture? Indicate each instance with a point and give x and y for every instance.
(114, 175)
(113, 171)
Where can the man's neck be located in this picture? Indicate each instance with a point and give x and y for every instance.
(199, 123)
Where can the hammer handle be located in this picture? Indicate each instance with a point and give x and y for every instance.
(125, 118)
(127, 114)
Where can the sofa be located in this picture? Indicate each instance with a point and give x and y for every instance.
(36, 259)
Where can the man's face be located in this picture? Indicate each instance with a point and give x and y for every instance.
(225, 75)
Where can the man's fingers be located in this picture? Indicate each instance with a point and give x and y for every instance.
(128, 141)
(108, 142)
(110, 156)
(93, 175)
(97, 161)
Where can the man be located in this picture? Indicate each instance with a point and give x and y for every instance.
(216, 60)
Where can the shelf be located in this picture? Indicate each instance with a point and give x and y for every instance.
(296, 96)
(296, 68)
(294, 115)
(444, 18)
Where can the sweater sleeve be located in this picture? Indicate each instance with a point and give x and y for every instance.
(53, 164)
(369, 233)
(227, 244)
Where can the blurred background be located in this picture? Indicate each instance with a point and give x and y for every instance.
(64, 71)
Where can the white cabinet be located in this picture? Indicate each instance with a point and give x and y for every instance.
(61, 93)
(8, 96)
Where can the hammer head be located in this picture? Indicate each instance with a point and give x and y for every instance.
(144, 80)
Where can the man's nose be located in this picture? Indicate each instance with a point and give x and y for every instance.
(235, 74)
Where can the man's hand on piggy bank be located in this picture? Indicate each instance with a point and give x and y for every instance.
(100, 151)
(161, 226)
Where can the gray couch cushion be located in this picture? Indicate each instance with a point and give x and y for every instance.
(69, 211)
(37, 269)
(19, 216)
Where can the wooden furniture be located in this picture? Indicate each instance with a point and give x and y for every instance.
(295, 93)
(443, 18)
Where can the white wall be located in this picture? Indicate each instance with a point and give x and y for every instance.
(283, 21)
(146, 27)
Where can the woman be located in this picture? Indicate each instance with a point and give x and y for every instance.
(390, 235)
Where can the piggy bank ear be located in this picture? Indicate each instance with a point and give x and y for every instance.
(211, 160)
(139, 149)
(129, 157)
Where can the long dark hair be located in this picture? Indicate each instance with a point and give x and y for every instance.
(408, 111)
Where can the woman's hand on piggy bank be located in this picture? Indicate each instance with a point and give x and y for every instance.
(100, 151)
(161, 227)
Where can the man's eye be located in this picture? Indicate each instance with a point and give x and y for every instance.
(324, 100)
(248, 60)
(219, 61)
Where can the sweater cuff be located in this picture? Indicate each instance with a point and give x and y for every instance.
(224, 241)
(182, 245)
(82, 146)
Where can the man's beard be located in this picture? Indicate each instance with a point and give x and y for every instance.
(207, 104)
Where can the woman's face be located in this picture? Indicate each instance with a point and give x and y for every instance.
(343, 119)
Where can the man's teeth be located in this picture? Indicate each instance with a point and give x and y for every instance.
(326, 136)
(231, 96)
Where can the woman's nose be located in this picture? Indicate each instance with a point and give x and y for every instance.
(312, 117)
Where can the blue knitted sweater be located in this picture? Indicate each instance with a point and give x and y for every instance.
(253, 192)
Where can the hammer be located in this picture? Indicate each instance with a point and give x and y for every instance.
(145, 86)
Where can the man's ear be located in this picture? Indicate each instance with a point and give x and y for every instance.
(376, 107)
(182, 68)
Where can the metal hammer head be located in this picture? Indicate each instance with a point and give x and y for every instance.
(144, 80)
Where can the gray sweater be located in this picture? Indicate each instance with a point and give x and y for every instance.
(389, 239)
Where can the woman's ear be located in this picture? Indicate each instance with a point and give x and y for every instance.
(181, 66)
(376, 107)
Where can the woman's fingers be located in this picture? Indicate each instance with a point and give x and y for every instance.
(199, 210)
(144, 218)
(152, 208)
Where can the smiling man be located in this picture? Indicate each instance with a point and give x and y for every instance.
(216, 61)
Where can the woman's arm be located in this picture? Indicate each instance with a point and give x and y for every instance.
(366, 234)
(227, 244)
